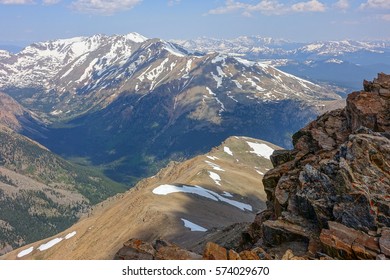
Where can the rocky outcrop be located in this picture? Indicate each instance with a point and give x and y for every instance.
(331, 192)
(135, 249)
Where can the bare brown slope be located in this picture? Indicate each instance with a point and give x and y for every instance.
(142, 214)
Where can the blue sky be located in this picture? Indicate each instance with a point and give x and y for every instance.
(26, 21)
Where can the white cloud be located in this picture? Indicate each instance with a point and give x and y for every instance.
(103, 7)
(342, 4)
(268, 7)
(376, 4)
(230, 6)
(173, 2)
(310, 6)
(16, 2)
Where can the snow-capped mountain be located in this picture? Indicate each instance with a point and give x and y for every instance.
(150, 93)
(263, 47)
(71, 76)
(242, 45)
(348, 62)
(337, 48)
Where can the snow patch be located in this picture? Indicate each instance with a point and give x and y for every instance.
(88, 70)
(227, 194)
(232, 98)
(192, 226)
(214, 166)
(173, 50)
(25, 252)
(247, 63)
(217, 78)
(216, 99)
(227, 150)
(49, 244)
(220, 58)
(261, 173)
(70, 235)
(238, 85)
(261, 150)
(212, 157)
(220, 72)
(215, 177)
(168, 189)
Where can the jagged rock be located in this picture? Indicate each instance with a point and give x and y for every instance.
(279, 231)
(341, 242)
(281, 156)
(371, 108)
(384, 242)
(335, 182)
(214, 252)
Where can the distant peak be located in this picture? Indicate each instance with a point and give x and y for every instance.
(136, 37)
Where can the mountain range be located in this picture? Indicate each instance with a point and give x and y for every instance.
(89, 117)
(342, 63)
(150, 93)
(325, 199)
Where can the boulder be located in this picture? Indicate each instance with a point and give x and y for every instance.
(213, 251)
(233, 255)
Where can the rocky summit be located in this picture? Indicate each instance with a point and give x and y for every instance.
(328, 198)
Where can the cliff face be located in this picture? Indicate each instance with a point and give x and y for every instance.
(329, 196)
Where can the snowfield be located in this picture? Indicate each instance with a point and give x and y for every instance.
(168, 189)
(262, 150)
(192, 226)
(25, 252)
(214, 166)
(227, 150)
(215, 177)
(70, 235)
(50, 244)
